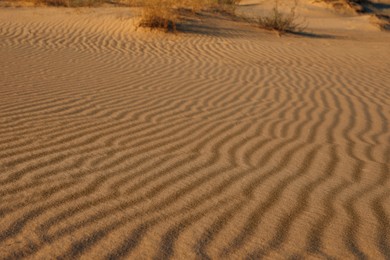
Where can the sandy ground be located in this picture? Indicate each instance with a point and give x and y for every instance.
(224, 142)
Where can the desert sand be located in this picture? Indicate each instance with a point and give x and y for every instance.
(224, 141)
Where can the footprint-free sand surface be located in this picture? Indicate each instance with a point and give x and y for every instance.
(221, 142)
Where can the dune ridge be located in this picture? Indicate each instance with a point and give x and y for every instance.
(227, 143)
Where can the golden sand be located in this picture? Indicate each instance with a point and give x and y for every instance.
(222, 142)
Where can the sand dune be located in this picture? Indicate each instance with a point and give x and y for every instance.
(223, 142)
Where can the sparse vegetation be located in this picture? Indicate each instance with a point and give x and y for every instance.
(165, 14)
(279, 22)
(159, 14)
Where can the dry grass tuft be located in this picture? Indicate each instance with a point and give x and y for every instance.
(279, 22)
(159, 14)
(165, 14)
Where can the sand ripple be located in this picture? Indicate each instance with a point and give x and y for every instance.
(230, 144)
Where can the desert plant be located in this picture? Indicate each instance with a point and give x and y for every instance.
(280, 22)
(165, 14)
(159, 14)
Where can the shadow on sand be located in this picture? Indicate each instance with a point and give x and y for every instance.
(213, 25)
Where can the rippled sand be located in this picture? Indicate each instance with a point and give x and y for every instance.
(223, 142)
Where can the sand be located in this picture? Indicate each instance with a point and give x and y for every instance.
(223, 142)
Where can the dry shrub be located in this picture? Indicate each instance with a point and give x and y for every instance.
(159, 14)
(282, 23)
(165, 14)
